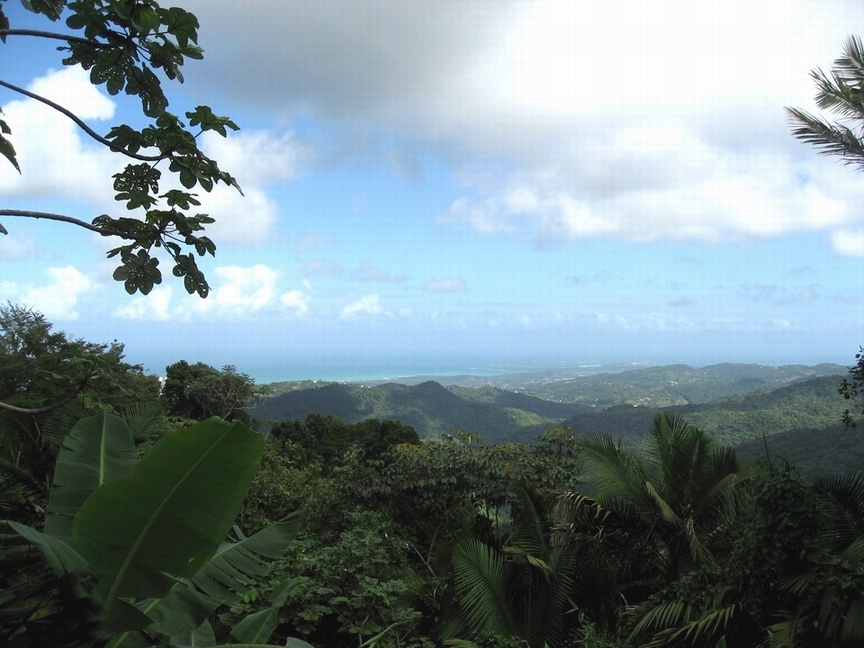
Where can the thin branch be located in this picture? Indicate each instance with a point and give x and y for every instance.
(65, 219)
(44, 34)
(37, 410)
(96, 136)
(422, 559)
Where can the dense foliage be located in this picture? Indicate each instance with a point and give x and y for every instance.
(199, 391)
(47, 382)
(573, 539)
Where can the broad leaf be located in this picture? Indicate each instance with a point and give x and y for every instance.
(224, 578)
(55, 597)
(170, 515)
(56, 554)
(98, 449)
(259, 626)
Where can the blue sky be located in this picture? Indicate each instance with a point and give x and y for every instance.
(514, 179)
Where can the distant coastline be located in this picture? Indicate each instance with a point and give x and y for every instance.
(383, 371)
(413, 368)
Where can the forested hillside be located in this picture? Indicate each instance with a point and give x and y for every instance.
(671, 385)
(785, 403)
(430, 408)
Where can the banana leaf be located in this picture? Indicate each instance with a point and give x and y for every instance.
(164, 521)
(224, 579)
(259, 626)
(46, 591)
(97, 449)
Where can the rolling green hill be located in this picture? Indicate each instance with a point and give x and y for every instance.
(429, 408)
(737, 404)
(673, 384)
(799, 422)
(811, 404)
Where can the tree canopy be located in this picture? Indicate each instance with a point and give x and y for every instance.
(42, 369)
(199, 391)
(127, 47)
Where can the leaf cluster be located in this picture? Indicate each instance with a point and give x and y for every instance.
(132, 551)
(126, 46)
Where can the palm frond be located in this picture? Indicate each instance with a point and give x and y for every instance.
(785, 633)
(853, 622)
(829, 138)
(481, 581)
(48, 596)
(666, 511)
(531, 526)
(611, 469)
(669, 614)
(842, 499)
(146, 419)
(675, 626)
(22, 494)
(841, 90)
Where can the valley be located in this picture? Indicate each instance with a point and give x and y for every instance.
(796, 408)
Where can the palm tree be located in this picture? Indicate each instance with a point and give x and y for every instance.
(830, 592)
(795, 576)
(521, 590)
(842, 92)
(678, 498)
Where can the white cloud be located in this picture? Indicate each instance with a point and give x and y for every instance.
(369, 304)
(848, 243)
(236, 291)
(323, 268)
(55, 157)
(242, 289)
(57, 300)
(256, 157)
(729, 197)
(620, 119)
(155, 306)
(71, 88)
(309, 241)
(372, 274)
(296, 300)
(245, 219)
(59, 161)
(450, 284)
(646, 321)
(12, 247)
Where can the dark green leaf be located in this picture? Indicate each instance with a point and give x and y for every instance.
(8, 151)
(97, 450)
(170, 515)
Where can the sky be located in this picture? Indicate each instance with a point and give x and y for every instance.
(464, 182)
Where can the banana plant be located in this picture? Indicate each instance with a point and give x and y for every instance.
(141, 544)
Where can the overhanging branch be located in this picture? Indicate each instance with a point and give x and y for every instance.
(69, 38)
(33, 410)
(96, 136)
(22, 213)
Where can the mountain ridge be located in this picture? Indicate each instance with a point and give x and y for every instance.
(734, 402)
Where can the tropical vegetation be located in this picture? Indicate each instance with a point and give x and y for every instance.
(135, 513)
(159, 529)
